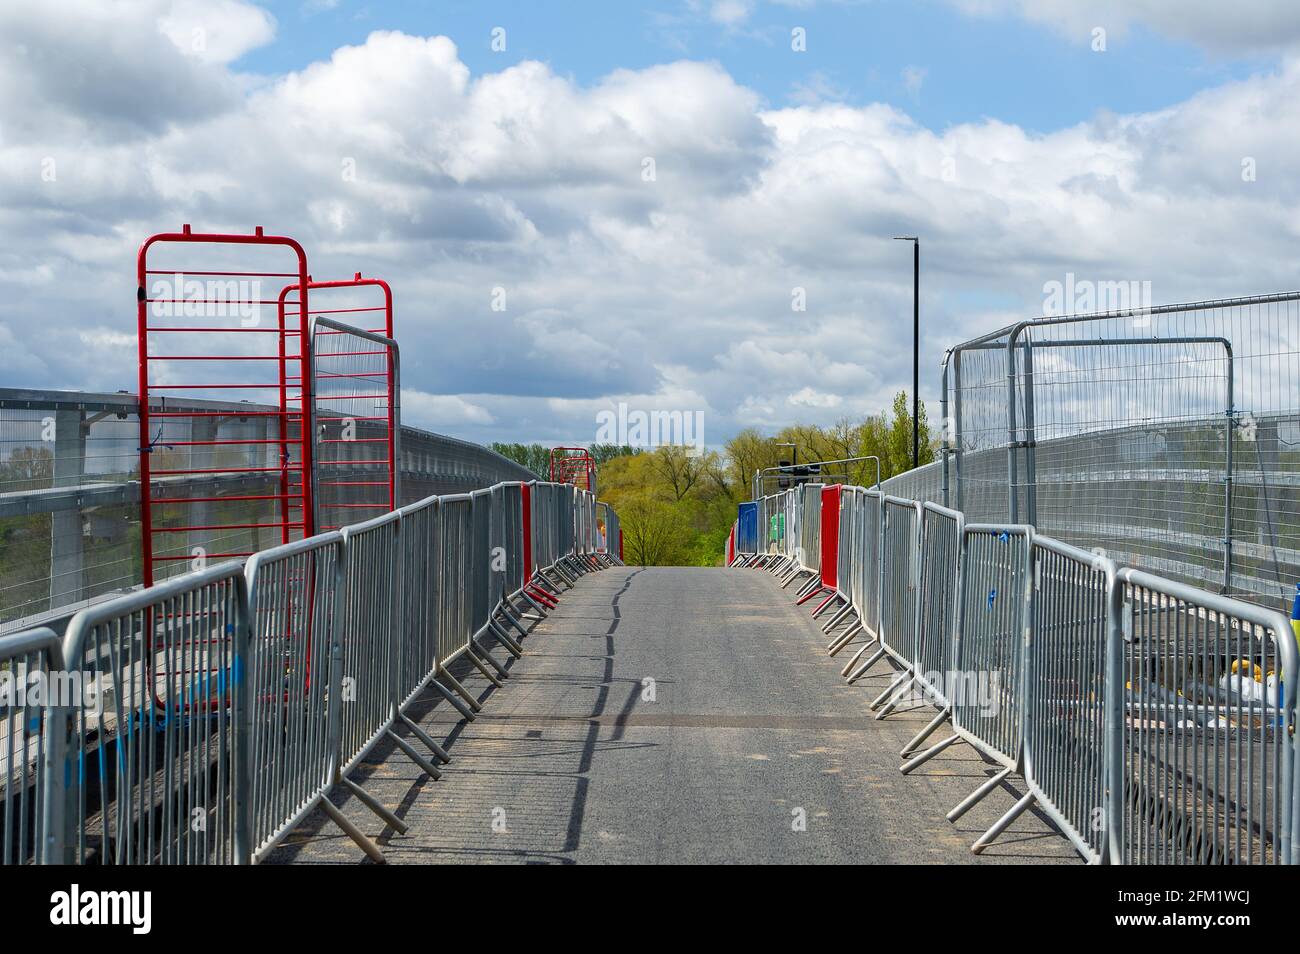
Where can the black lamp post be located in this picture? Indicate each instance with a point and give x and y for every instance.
(916, 345)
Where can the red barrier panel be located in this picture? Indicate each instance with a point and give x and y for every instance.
(526, 498)
(830, 535)
(731, 545)
(620, 544)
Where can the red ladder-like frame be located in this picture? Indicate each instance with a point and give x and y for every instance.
(291, 389)
(377, 320)
(573, 465)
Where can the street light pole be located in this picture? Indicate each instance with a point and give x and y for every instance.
(916, 345)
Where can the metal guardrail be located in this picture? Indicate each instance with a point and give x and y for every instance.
(229, 702)
(1152, 721)
(70, 491)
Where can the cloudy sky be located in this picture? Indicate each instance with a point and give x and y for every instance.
(1023, 140)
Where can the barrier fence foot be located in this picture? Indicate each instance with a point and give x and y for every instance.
(978, 795)
(894, 683)
(794, 576)
(839, 642)
(466, 708)
(838, 618)
(568, 583)
(924, 734)
(848, 667)
(896, 699)
(811, 586)
(441, 753)
(536, 593)
(502, 671)
(427, 767)
(372, 803)
(809, 593)
(1003, 823)
(862, 670)
(920, 759)
(487, 673)
(825, 603)
(504, 639)
(352, 831)
(510, 618)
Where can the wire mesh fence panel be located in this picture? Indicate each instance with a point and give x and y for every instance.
(294, 597)
(31, 670)
(923, 484)
(355, 388)
(1169, 436)
(153, 770)
(988, 710)
(1204, 748)
(1073, 620)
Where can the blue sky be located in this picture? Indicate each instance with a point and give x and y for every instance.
(974, 67)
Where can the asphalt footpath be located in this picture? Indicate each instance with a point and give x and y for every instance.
(677, 715)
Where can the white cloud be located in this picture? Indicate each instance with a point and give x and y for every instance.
(216, 31)
(1214, 24)
(673, 292)
(435, 411)
(730, 12)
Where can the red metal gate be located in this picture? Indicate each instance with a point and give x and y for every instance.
(203, 333)
(573, 465)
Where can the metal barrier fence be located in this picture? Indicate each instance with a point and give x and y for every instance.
(215, 710)
(294, 603)
(27, 660)
(155, 770)
(901, 558)
(1166, 436)
(1152, 721)
(1203, 747)
(941, 537)
(1073, 609)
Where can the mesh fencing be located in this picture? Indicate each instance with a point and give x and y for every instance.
(1167, 438)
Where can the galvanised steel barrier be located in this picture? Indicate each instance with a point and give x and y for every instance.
(1202, 744)
(1074, 620)
(941, 535)
(294, 672)
(156, 772)
(367, 635)
(1152, 721)
(220, 707)
(985, 695)
(30, 664)
(900, 579)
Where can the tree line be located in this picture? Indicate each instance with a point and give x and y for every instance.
(676, 506)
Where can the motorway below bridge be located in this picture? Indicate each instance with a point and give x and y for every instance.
(751, 727)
